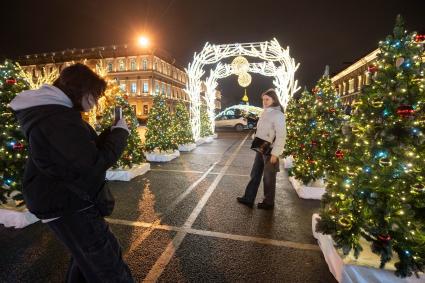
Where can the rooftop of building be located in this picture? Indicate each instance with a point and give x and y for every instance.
(110, 51)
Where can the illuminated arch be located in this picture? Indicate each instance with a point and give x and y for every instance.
(276, 63)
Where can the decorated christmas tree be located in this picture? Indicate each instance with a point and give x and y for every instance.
(295, 113)
(133, 153)
(382, 196)
(182, 128)
(205, 123)
(159, 134)
(319, 132)
(13, 147)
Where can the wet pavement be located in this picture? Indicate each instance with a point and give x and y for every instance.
(180, 222)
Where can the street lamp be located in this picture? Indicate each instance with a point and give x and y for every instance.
(143, 41)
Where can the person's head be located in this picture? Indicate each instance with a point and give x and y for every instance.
(270, 99)
(83, 86)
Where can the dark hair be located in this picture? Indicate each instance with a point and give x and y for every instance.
(78, 80)
(272, 93)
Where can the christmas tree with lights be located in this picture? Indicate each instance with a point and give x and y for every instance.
(13, 146)
(381, 197)
(181, 125)
(159, 134)
(133, 153)
(295, 113)
(205, 123)
(319, 132)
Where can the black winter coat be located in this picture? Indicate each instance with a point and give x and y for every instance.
(65, 154)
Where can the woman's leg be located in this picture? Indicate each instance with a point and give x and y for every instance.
(74, 273)
(94, 248)
(256, 175)
(269, 180)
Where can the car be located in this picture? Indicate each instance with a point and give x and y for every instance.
(231, 119)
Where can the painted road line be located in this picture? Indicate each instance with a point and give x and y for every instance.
(166, 256)
(177, 171)
(219, 235)
(189, 189)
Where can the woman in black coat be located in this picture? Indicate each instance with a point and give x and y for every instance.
(64, 181)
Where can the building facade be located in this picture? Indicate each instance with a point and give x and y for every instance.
(140, 72)
(349, 81)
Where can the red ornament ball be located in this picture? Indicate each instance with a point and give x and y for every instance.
(11, 81)
(126, 97)
(311, 161)
(332, 110)
(384, 238)
(302, 145)
(314, 143)
(420, 37)
(405, 111)
(372, 69)
(339, 154)
(18, 146)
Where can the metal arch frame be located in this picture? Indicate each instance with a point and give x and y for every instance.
(277, 63)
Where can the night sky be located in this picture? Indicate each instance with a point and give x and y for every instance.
(318, 32)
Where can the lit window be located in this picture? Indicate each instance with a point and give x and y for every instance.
(145, 65)
(133, 87)
(121, 65)
(163, 89)
(123, 86)
(360, 83)
(110, 67)
(351, 86)
(156, 87)
(169, 91)
(145, 87)
(133, 64)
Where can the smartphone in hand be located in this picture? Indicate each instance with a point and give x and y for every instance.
(118, 114)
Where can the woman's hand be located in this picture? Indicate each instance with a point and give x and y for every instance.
(273, 159)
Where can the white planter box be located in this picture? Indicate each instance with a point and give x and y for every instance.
(365, 269)
(209, 139)
(157, 156)
(127, 174)
(313, 191)
(200, 141)
(288, 162)
(187, 147)
(16, 218)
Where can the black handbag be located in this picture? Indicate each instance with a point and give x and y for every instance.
(261, 146)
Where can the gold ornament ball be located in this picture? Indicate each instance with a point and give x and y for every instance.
(346, 221)
(418, 188)
(244, 79)
(377, 102)
(385, 162)
(240, 65)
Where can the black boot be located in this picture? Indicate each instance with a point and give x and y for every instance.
(245, 202)
(265, 206)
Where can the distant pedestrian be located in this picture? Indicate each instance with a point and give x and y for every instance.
(64, 181)
(271, 134)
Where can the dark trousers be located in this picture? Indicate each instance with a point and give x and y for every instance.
(262, 166)
(96, 253)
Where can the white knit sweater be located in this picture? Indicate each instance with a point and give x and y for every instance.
(270, 125)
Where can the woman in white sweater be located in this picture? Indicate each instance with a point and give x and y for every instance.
(270, 127)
